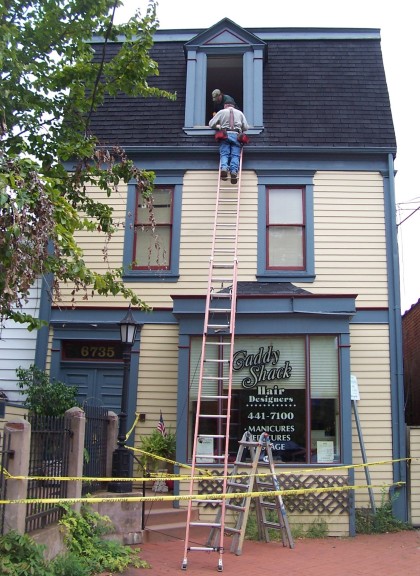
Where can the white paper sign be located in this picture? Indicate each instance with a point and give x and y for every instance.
(205, 450)
(354, 388)
(325, 451)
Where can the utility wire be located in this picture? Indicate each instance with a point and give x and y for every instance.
(409, 216)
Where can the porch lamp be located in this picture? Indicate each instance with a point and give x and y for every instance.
(121, 457)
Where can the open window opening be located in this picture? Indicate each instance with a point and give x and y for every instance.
(226, 74)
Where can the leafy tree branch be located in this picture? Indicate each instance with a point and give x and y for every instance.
(52, 83)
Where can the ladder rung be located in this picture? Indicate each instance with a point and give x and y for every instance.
(220, 416)
(217, 360)
(218, 326)
(266, 485)
(224, 266)
(210, 436)
(207, 397)
(238, 485)
(221, 279)
(216, 378)
(272, 525)
(219, 310)
(206, 501)
(235, 507)
(206, 524)
(268, 505)
(221, 295)
(202, 548)
(233, 530)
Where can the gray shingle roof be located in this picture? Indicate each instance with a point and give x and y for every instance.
(317, 92)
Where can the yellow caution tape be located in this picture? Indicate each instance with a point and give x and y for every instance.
(203, 473)
(133, 426)
(195, 496)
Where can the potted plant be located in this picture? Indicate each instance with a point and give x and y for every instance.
(160, 445)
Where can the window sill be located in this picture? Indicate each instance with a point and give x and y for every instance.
(206, 131)
(286, 277)
(150, 276)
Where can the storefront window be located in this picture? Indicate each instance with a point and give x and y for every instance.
(286, 386)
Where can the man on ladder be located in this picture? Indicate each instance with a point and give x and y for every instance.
(230, 124)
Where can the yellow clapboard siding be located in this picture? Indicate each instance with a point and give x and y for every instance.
(374, 406)
(350, 249)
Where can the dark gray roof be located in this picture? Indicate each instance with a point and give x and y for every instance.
(317, 92)
(269, 289)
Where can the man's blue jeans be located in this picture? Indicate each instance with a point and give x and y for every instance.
(230, 151)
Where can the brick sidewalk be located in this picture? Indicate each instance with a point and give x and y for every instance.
(393, 554)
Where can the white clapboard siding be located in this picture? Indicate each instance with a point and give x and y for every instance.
(374, 406)
(17, 347)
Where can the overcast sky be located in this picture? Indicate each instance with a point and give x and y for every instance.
(399, 26)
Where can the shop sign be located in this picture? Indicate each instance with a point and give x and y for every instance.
(262, 366)
(268, 405)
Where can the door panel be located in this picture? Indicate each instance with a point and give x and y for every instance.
(96, 386)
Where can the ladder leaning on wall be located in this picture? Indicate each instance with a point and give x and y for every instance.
(216, 357)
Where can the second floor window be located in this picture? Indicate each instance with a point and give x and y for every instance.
(285, 229)
(153, 230)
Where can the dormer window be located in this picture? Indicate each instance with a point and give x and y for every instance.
(230, 59)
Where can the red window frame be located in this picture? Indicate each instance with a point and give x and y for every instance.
(152, 222)
(269, 227)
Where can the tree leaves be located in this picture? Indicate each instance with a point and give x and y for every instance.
(51, 85)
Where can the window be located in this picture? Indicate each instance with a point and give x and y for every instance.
(285, 385)
(225, 73)
(152, 234)
(153, 230)
(229, 58)
(286, 250)
(285, 229)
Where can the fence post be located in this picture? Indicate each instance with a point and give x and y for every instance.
(19, 432)
(77, 424)
(111, 441)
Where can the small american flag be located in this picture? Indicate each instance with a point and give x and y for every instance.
(161, 425)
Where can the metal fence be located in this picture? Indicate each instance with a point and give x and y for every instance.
(94, 465)
(49, 456)
(4, 463)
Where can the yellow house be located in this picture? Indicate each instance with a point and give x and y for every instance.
(317, 331)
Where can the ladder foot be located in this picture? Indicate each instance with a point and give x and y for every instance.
(184, 564)
(220, 566)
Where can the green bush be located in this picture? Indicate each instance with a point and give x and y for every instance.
(69, 564)
(382, 520)
(45, 397)
(83, 537)
(21, 556)
(87, 553)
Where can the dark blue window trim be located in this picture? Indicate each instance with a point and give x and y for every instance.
(307, 275)
(223, 39)
(172, 274)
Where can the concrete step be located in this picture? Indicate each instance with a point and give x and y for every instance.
(175, 531)
(164, 523)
